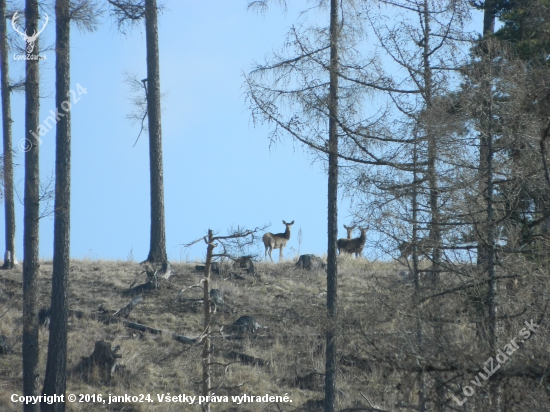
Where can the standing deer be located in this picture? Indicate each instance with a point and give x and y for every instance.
(356, 245)
(277, 241)
(342, 242)
(422, 247)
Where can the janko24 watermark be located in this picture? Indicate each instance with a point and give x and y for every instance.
(42, 130)
(501, 357)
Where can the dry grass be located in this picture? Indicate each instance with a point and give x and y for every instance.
(291, 303)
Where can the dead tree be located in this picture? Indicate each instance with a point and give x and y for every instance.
(228, 243)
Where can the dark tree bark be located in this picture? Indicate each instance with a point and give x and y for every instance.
(55, 378)
(486, 154)
(206, 347)
(435, 222)
(332, 268)
(9, 209)
(31, 215)
(157, 249)
(489, 13)
(488, 30)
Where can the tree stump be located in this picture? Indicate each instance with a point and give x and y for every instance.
(101, 363)
(245, 262)
(310, 262)
(214, 268)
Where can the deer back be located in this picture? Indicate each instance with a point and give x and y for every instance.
(353, 245)
(423, 246)
(345, 245)
(359, 242)
(279, 239)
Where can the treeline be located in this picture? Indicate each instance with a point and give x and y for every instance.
(438, 131)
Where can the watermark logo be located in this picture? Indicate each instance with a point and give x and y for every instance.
(73, 98)
(501, 357)
(30, 40)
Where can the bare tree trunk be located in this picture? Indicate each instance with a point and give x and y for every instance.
(157, 248)
(332, 268)
(486, 169)
(416, 277)
(31, 265)
(435, 228)
(206, 344)
(488, 30)
(55, 378)
(9, 255)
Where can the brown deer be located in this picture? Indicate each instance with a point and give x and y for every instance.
(343, 242)
(277, 241)
(423, 247)
(356, 245)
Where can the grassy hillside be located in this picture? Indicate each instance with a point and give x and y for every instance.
(378, 341)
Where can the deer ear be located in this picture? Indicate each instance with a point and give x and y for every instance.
(284, 223)
(291, 223)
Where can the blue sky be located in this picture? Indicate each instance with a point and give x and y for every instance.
(219, 169)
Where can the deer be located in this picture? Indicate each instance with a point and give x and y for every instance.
(29, 39)
(276, 241)
(356, 245)
(406, 248)
(342, 242)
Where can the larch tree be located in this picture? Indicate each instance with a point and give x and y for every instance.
(132, 11)
(423, 39)
(308, 82)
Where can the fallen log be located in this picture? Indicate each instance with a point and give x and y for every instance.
(149, 329)
(125, 311)
(247, 359)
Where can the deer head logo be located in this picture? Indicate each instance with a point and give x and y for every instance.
(29, 39)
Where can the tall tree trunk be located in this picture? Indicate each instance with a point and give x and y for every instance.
(31, 265)
(486, 170)
(55, 378)
(332, 268)
(206, 351)
(435, 228)
(9, 209)
(488, 30)
(157, 248)
(416, 276)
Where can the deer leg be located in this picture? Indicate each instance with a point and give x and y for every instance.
(281, 254)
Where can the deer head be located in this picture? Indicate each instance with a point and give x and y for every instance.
(29, 39)
(349, 229)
